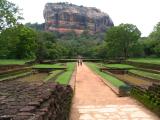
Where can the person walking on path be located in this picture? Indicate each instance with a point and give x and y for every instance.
(79, 62)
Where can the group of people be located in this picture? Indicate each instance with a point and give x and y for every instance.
(79, 61)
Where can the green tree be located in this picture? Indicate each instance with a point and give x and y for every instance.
(120, 39)
(18, 42)
(27, 44)
(9, 14)
(45, 44)
(155, 38)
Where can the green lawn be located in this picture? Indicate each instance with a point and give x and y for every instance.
(13, 62)
(48, 66)
(66, 76)
(114, 81)
(146, 74)
(120, 66)
(146, 60)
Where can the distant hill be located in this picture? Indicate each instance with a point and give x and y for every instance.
(64, 17)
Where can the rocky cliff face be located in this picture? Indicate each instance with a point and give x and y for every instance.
(64, 17)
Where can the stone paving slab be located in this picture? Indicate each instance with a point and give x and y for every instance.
(93, 100)
(117, 112)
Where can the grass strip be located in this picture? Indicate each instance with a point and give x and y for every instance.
(66, 76)
(146, 60)
(52, 75)
(114, 81)
(146, 74)
(120, 66)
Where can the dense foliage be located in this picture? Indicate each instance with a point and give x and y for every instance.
(121, 40)
(151, 44)
(18, 42)
(9, 14)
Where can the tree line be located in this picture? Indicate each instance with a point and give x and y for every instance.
(30, 41)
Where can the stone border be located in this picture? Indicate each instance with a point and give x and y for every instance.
(72, 83)
(114, 89)
(73, 79)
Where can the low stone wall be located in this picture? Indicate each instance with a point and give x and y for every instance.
(114, 70)
(15, 70)
(150, 96)
(10, 67)
(49, 69)
(48, 101)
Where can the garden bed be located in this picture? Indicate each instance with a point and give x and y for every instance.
(146, 75)
(9, 71)
(144, 65)
(4, 68)
(114, 70)
(128, 78)
(118, 66)
(146, 60)
(17, 73)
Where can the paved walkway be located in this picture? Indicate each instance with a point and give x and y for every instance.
(93, 100)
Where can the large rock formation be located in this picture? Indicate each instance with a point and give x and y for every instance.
(64, 17)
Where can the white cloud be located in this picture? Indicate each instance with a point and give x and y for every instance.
(143, 13)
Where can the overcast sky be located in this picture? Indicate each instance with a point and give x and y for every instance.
(142, 13)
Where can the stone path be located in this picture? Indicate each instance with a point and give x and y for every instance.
(93, 100)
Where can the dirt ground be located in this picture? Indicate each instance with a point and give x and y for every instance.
(93, 100)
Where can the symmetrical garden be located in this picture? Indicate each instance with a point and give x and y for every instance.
(42, 91)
